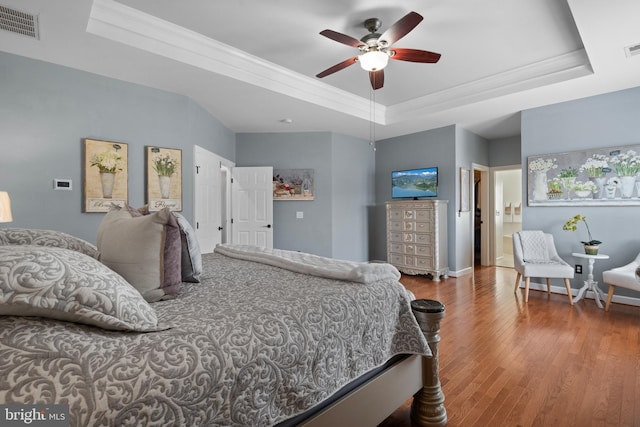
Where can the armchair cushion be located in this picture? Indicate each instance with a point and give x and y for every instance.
(624, 276)
(534, 246)
(552, 267)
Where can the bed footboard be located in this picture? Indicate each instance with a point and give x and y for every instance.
(427, 408)
(415, 376)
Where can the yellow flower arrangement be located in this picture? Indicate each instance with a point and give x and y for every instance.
(572, 225)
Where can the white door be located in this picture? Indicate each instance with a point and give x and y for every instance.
(207, 204)
(252, 206)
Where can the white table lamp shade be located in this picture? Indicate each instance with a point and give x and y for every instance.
(5, 207)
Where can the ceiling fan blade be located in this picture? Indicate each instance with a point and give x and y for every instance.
(377, 79)
(414, 55)
(337, 67)
(400, 28)
(342, 38)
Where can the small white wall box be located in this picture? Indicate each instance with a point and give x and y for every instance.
(62, 184)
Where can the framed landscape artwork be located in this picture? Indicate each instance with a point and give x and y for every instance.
(598, 177)
(105, 175)
(293, 184)
(163, 178)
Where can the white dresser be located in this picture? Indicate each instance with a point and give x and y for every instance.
(417, 237)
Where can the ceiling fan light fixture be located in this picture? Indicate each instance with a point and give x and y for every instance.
(374, 60)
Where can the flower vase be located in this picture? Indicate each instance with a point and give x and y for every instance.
(627, 186)
(165, 186)
(568, 183)
(599, 181)
(107, 179)
(540, 185)
(591, 249)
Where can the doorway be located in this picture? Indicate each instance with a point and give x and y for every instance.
(480, 254)
(507, 190)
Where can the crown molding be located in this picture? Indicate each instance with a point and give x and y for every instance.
(123, 24)
(552, 70)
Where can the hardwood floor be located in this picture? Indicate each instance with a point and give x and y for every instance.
(545, 363)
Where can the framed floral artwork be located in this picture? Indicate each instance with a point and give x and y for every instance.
(600, 177)
(293, 184)
(163, 178)
(105, 175)
(464, 189)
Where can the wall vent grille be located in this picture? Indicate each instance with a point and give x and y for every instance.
(19, 22)
(632, 50)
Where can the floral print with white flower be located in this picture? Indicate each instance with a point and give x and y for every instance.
(595, 166)
(542, 165)
(626, 164)
(585, 186)
(107, 162)
(164, 164)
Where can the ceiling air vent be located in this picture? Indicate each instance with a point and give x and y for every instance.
(19, 22)
(632, 50)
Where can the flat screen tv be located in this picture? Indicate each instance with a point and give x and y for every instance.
(414, 183)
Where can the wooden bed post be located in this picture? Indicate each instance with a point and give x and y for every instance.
(427, 408)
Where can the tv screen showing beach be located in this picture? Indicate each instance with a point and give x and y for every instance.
(414, 183)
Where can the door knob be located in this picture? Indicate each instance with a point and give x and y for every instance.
(220, 228)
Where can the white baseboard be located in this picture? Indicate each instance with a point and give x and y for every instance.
(621, 299)
(463, 272)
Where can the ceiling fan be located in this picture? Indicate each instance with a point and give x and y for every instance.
(376, 48)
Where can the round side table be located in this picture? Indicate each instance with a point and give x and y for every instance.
(590, 284)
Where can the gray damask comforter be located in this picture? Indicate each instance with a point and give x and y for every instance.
(252, 345)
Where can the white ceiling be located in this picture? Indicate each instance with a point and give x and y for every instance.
(252, 63)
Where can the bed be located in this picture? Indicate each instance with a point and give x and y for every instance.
(281, 340)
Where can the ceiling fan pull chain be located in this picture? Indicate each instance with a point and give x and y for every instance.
(372, 118)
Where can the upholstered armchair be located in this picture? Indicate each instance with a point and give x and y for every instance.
(535, 255)
(626, 276)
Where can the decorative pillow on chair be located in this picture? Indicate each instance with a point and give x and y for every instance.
(145, 250)
(66, 285)
(58, 239)
(191, 256)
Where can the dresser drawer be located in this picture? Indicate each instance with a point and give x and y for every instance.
(423, 238)
(396, 236)
(414, 250)
(423, 227)
(397, 259)
(397, 248)
(410, 214)
(425, 215)
(422, 250)
(424, 262)
(409, 260)
(396, 215)
(420, 227)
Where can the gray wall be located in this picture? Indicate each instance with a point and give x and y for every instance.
(335, 223)
(470, 149)
(424, 149)
(45, 112)
(505, 151)
(600, 121)
(353, 194)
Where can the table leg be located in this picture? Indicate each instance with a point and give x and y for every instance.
(598, 294)
(581, 292)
